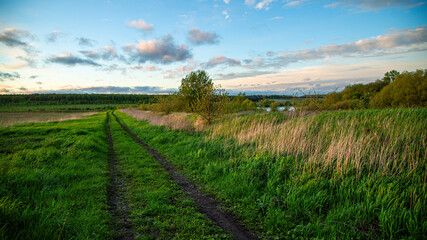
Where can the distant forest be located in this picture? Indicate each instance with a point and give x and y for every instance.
(72, 99)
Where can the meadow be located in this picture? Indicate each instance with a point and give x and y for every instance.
(333, 175)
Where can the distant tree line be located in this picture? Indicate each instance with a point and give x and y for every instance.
(68, 99)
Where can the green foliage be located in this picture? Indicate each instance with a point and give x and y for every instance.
(408, 89)
(265, 103)
(357, 96)
(200, 96)
(274, 106)
(211, 103)
(168, 104)
(73, 99)
(193, 87)
(241, 103)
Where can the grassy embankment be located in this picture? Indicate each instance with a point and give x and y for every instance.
(54, 175)
(345, 175)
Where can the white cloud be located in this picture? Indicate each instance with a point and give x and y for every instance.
(276, 18)
(374, 5)
(225, 13)
(226, 1)
(294, 3)
(264, 4)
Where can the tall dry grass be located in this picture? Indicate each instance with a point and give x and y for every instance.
(390, 141)
(176, 121)
(13, 118)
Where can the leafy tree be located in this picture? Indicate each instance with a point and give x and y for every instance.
(211, 103)
(200, 96)
(193, 86)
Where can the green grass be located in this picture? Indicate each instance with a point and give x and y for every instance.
(276, 196)
(159, 209)
(51, 174)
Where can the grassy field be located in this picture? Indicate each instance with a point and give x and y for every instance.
(55, 181)
(54, 175)
(13, 118)
(335, 175)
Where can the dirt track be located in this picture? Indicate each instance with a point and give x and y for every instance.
(207, 205)
(121, 226)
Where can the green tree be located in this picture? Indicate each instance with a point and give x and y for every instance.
(193, 86)
(212, 103)
(200, 96)
(408, 89)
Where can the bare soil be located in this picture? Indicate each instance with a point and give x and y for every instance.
(119, 210)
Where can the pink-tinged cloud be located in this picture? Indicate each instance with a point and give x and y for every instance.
(141, 25)
(217, 60)
(376, 46)
(179, 72)
(158, 50)
(108, 53)
(146, 68)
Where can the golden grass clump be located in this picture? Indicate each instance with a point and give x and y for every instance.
(176, 121)
(340, 142)
(13, 118)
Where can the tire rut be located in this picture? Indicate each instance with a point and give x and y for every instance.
(119, 210)
(206, 205)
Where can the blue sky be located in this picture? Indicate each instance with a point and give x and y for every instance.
(252, 46)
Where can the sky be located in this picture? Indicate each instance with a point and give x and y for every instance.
(252, 46)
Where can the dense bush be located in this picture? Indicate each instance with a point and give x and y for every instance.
(408, 90)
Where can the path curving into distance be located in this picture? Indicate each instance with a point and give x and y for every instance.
(206, 205)
(119, 210)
